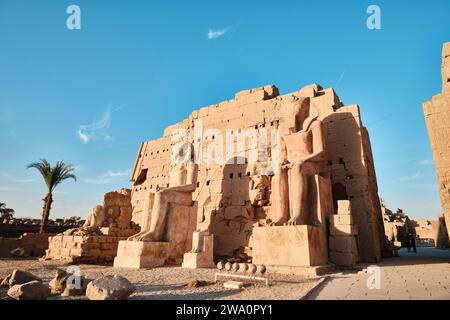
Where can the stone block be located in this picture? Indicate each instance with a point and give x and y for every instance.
(102, 239)
(75, 252)
(140, 254)
(65, 252)
(233, 285)
(341, 219)
(344, 207)
(341, 230)
(202, 259)
(92, 253)
(343, 259)
(78, 239)
(343, 244)
(294, 246)
(89, 246)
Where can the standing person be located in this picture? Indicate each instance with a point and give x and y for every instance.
(413, 243)
(408, 242)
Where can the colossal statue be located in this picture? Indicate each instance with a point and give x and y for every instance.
(182, 182)
(302, 153)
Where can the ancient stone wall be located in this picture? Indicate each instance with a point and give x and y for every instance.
(224, 195)
(434, 230)
(33, 244)
(343, 235)
(97, 241)
(437, 118)
(86, 249)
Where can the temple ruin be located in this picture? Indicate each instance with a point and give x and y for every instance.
(398, 225)
(286, 180)
(97, 240)
(437, 118)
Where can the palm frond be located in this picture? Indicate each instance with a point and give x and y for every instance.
(54, 175)
(62, 172)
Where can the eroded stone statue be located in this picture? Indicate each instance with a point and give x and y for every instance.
(198, 238)
(95, 219)
(182, 182)
(393, 234)
(258, 190)
(114, 213)
(302, 153)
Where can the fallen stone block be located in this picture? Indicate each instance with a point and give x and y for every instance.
(21, 277)
(110, 288)
(34, 290)
(58, 283)
(233, 285)
(18, 252)
(5, 281)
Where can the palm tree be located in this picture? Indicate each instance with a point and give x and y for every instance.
(6, 213)
(52, 177)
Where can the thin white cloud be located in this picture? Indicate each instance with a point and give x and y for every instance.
(214, 34)
(112, 174)
(411, 177)
(110, 177)
(23, 180)
(8, 189)
(98, 130)
(426, 162)
(71, 207)
(340, 78)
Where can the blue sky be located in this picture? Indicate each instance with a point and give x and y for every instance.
(90, 96)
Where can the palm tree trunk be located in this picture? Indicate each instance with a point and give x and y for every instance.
(46, 211)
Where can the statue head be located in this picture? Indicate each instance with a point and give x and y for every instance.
(183, 153)
(297, 110)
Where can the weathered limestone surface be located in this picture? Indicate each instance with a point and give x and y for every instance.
(434, 230)
(397, 226)
(33, 244)
(33, 290)
(343, 235)
(97, 240)
(177, 239)
(203, 257)
(109, 288)
(291, 246)
(227, 204)
(437, 118)
(19, 277)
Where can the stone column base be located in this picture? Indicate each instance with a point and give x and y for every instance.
(141, 254)
(290, 246)
(203, 259)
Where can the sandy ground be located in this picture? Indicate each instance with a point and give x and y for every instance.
(169, 283)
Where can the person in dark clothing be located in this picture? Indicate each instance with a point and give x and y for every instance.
(408, 242)
(413, 243)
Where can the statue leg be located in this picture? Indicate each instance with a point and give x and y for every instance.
(158, 217)
(280, 200)
(395, 231)
(197, 240)
(159, 212)
(298, 196)
(145, 225)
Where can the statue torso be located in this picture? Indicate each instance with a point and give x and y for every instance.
(177, 175)
(298, 145)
